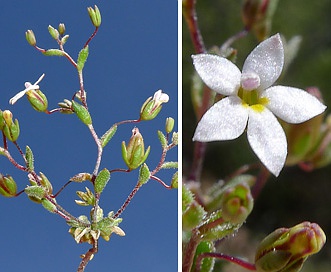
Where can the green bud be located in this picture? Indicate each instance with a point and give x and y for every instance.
(46, 183)
(170, 123)
(169, 165)
(37, 100)
(82, 57)
(82, 113)
(95, 15)
(237, 203)
(108, 135)
(101, 180)
(49, 206)
(134, 153)
(87, 198)
(54, 32)
(286, 249)
(80, 177)
(152, 106)
(8, 187)
(7, 117)
(61, 29)
(29, 158)
(257, 16)
(29, 35)
(54, 52)
(144, 174)
(64, 39)
(11, 129)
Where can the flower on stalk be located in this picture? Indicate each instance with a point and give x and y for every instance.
(153, 105)
(286, 249)
(251, 102)
(28, 87)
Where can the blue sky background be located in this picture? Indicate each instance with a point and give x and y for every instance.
(133, 55)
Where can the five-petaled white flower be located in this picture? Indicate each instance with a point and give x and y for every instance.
(251, 102)
(28, 87)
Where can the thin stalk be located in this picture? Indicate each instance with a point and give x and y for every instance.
(221, 256)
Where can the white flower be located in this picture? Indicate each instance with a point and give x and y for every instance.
(28, 87)
(253, 103)
(160, 97)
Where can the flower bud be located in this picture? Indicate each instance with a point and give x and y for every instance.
(152, 106)
(87, 198)
(82, 113)
(54, 32)
(8, 187)
(95, 15)
(257, 16)
(134, 153)
(237, 203)
(61, 29)
(170, 123)
(37, 100)
(10, 129)
(29, 35)
(286, 249)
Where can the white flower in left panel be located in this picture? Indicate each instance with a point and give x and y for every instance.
(251, 102)
(28, 87)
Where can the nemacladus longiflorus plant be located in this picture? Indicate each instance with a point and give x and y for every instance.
(96, 225)
(284, 126)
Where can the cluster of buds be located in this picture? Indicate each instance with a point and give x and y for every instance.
(10, 128)
(286, 249)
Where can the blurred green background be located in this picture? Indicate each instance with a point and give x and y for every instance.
(295, 196)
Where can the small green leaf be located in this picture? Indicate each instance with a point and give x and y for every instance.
(82, 57)
(174, 181)
(29, 158)
(101, 180)
(54, 52)
(168, 165)
(144, 174)
(162, 138)
(108, 135)
(35, 193)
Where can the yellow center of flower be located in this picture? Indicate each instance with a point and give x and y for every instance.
(252, 99)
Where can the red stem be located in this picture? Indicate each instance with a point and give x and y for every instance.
(222, 256)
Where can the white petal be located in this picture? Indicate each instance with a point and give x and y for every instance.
(266, 60)
(219, 74)
(267, 139)
(292, 105)
(225, 120)
(13, 100)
